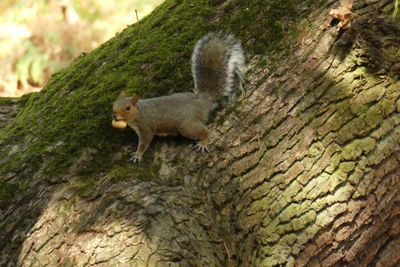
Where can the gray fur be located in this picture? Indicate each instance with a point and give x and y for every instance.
(171, 112)
(218, 66)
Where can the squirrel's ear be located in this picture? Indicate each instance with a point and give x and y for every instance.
(134, 99)
(122, 95)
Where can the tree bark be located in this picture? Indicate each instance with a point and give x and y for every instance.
(8, 110)
(303, 172)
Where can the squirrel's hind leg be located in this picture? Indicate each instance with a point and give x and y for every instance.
(196, 131)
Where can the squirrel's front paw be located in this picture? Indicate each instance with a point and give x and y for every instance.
(135, 157)
(202, 148)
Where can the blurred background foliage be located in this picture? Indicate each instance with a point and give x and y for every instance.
(38, 37)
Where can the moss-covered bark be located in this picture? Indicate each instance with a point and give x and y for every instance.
(304, 170)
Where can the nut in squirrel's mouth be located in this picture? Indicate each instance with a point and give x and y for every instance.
(120, 124)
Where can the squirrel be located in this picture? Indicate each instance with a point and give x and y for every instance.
(218, 66)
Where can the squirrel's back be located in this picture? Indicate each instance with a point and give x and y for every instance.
(218, 66)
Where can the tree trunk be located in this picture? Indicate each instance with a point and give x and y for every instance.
(304, 170)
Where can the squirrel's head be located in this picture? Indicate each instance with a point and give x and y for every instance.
(124, 109)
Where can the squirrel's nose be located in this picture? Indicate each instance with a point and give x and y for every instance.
(117, 116)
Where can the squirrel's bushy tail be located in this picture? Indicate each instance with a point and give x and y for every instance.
(218, 66)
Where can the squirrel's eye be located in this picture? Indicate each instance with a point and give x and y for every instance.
(128, 108)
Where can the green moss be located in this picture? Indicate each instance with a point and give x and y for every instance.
(290, 212)
(354, 149)
(316, 150)
(83, 186)
(347, 167)
(334, 163)
(269, 30)
(388, 106)
(304, 220)
(6, 101)
(268, 234)
(356, 176)
(7, 191)
(120, 173)
(18, 102)
(144, 171)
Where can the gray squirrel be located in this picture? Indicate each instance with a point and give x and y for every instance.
(218, 67)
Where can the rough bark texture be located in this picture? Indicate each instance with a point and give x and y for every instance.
(306, 173)
(8, 110)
